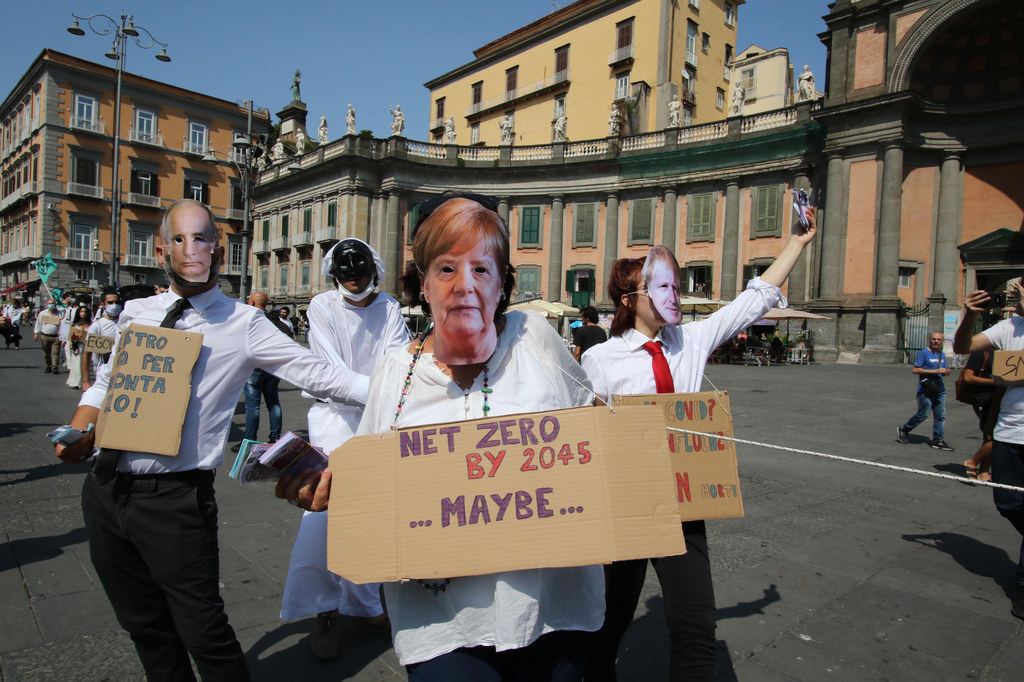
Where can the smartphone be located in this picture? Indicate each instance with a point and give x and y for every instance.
(65, 435)
(1000, 299)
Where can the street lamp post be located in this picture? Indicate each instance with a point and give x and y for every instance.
(250, 152)
(122, 30)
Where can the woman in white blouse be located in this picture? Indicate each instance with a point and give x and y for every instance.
(476, 360)
(628, 363)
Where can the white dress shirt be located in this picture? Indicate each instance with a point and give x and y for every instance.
(236, 340)
(622, 366)
(530, 370)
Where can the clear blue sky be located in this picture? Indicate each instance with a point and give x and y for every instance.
(370, 54)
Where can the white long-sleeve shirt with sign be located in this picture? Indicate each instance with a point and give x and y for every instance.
(237, 338)
(530, 371)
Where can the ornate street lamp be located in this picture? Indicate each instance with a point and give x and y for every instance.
(250, 152)
(122, 30)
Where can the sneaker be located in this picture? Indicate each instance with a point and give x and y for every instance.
(236, 447)
(1018, 603)
(941, 445)
(325, 640)
(901, 435)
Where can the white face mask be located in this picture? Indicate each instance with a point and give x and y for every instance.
(362, 294)
(113, 310)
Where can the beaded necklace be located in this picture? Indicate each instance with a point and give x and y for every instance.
(417, 351)
(486, 390)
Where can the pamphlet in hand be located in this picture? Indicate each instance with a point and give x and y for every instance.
(292, 455)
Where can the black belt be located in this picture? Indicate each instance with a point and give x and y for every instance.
(192, 476)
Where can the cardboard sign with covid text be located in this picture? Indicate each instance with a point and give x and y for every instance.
(149, 389)
(99, 344)
(546, 489)
(1008, 364)
(705, 475)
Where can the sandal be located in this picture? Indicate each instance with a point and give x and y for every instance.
(971, 472)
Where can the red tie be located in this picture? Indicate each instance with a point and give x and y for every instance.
(662, 374)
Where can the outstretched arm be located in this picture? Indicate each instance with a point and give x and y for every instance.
(777, 273)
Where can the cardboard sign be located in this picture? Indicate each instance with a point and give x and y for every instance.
(705, 475)
(96, 343)
(149, 389)
(1008, 364)
(548, 489)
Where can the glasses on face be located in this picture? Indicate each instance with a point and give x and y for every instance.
(430, 205)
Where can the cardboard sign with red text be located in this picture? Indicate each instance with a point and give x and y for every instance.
(150, 386)
(546, 489)
(1008, 364)
(705, 475)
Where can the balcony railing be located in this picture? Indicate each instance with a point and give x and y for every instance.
(140, 261)
(144, 137)
(137, 199)
(691, 58)
(303, 290)
(88, 125)
(437, 124)
(235, 214)
(280, 291)
(689, 96)
(261, 247)
(327, 234)
(94, 191)
(197, 148)
(620, 55)
(233, 269)
(88, 255)
(24, 253)
(26, 188)
(302, 239)
(280, 243)
(556, 79)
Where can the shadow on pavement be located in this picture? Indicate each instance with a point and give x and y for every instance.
(29, 550)
(749, 608)
(357, 652)
(977, 557)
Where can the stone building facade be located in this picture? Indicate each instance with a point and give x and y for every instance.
(914, 158)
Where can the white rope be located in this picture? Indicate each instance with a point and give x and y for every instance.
(893, 467)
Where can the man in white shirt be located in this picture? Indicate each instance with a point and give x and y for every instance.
(105, 325)
(1008, 435)
(151, 519)
(45, 332)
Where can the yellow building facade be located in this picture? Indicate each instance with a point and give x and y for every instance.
(585, 61)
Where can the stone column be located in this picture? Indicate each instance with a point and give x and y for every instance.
(832, 232)
(797, 290)
(731, 242)
(503, 209)
(947, 230)
(555, 249)
(611, 244)
(887, 247)
(881, 315)
(392, 254)
(669, 219)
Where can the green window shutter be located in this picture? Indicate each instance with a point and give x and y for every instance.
(307, 220)
(284, 226)
(701, 224)
(529, 230)
(585, 223)
(748, 274)
(684, 278)
(332, 214)
(767, 216)
(266, 230)
(642, 219)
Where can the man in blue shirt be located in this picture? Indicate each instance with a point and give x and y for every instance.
(930, 366)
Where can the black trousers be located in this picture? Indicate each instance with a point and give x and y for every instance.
(689, 608)
(153, 541)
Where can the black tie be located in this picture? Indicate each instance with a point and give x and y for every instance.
(106, 461)
(175, 313)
